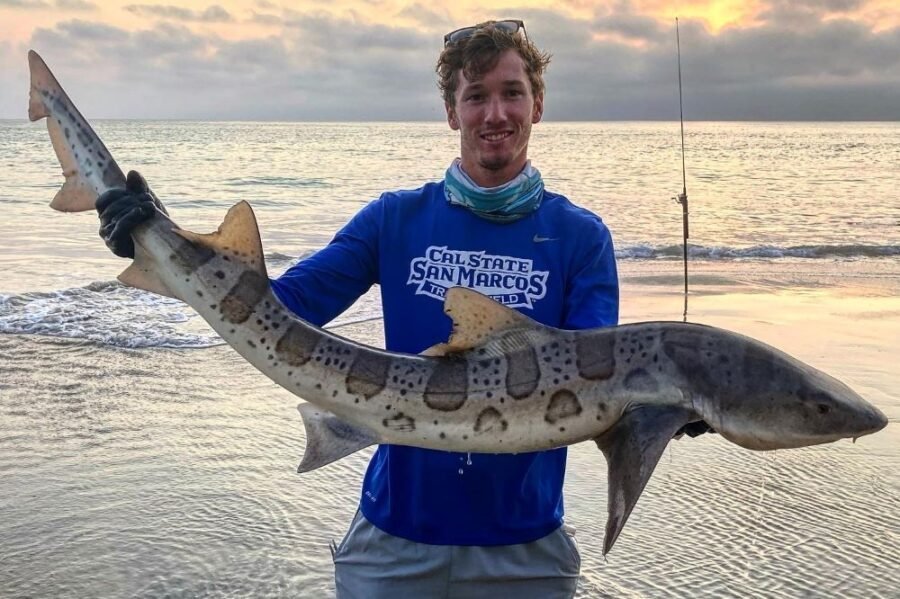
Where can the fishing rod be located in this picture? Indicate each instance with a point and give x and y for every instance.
(682, 197)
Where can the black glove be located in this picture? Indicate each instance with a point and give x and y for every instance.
(121, 210)
(693, 429)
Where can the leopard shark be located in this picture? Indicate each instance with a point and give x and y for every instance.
(501, 383)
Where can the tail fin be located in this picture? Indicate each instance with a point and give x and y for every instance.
(87, 165)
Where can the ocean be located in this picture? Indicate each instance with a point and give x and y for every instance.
(142, 457)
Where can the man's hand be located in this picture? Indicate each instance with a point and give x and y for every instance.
(121, 210)
(693, 429)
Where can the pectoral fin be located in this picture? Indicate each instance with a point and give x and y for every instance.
(142, 273)
(632, 448)
(328, 438)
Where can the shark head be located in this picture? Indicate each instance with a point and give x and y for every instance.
(761, 398)
(816, 408)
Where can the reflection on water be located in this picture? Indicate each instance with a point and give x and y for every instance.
(166, 471)
(171, 472)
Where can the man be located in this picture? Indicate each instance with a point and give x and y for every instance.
(433, 523)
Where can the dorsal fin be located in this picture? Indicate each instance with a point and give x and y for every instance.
(237, 238)
(476, 318)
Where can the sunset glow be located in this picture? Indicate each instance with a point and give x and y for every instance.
(306, 59)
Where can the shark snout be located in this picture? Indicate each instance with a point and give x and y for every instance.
(843, 412)
(871, 421)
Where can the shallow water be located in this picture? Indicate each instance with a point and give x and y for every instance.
(161, 471)
(140, 457)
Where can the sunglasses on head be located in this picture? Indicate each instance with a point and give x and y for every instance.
(508, 25)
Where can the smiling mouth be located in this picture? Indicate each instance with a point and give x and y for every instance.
(499, 136)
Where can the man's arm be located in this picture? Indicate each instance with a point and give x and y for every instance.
(325, 284)
(592, 291)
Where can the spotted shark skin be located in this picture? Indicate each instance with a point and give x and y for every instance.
(501, 384)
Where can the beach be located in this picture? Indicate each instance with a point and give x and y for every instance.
(142, 457)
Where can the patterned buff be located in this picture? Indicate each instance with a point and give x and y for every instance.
(503, 204)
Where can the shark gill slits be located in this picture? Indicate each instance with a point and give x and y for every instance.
(400, 422)
(563, 404)
(297, 345)
(368, 373)
(490, 419)
(594, 356)
(238, 304)
(522, 373)
(447, 387)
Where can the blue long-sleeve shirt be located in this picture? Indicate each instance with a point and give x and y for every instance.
(556, 265)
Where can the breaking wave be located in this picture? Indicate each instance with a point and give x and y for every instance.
(110, 313)
(649, 252)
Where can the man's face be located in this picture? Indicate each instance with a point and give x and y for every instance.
(494, 116)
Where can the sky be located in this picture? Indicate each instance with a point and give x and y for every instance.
(373, 60)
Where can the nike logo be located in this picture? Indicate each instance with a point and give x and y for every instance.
(539, 239)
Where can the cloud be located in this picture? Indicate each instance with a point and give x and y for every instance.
(629, 26)
(264, 18)
(26, 4)
(426, 16)
(76, 5)
(170, 71)
(72, 5)
(611, 65)
(828, 70)
(212, 14)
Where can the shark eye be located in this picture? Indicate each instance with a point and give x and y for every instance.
(823, 408)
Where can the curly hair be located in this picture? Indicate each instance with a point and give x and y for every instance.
(477, 54)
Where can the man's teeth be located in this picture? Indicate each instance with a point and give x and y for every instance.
(495, 136)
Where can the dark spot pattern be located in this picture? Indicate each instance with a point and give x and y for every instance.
(563, 404)
(400, 422)
(241, 300)
(447, 387)
(368, 373)
(522, 372)
(190, 256)
(594, 356)
(297, 345)
(490, 419)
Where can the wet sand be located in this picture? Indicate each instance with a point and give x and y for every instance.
(163, 472)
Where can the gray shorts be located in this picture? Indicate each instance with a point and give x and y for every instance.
(371, 564)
